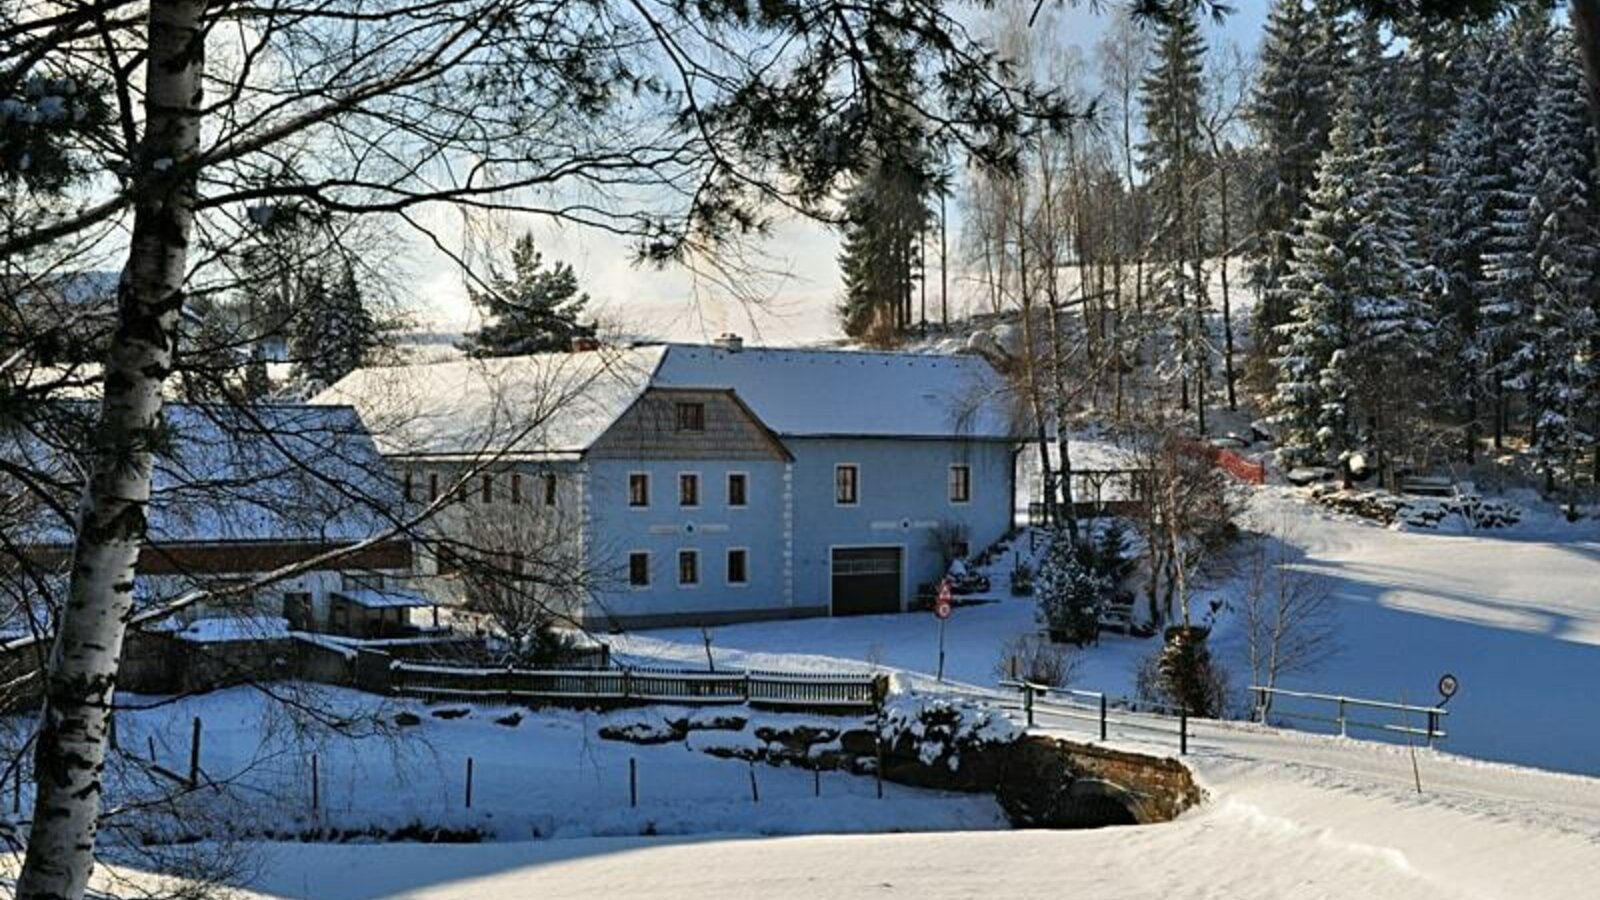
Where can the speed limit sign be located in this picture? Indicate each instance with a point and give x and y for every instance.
(1448, 685)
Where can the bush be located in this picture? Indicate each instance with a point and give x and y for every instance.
(1182, 674)
(1027, 657)
(1071, 593)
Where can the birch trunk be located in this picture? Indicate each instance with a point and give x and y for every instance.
(82, 669)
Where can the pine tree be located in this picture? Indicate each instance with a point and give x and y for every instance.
(1170, 157)
(1468, 186)
(1509, 259)
(886, 213)
(1291, 114)
(1358, 329)
(531, 309)
(885, 216)
(1071, 593)
(333, 331)
(1558, 178)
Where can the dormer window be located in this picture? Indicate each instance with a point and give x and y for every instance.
(691, 416)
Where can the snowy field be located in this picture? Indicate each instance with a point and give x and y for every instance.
(1514, 614)
(535, 775)
(1289, 816)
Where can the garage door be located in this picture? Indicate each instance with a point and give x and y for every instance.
(866, 580)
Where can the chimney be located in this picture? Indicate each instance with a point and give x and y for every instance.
(585, 343)
(729, 341)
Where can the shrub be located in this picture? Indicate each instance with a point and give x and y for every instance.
(1027, 657)
(1183, 674)
(1071, 594)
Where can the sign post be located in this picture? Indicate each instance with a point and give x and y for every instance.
(942, 607)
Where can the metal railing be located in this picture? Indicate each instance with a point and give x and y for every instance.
(1096, 707)
(1345, 711)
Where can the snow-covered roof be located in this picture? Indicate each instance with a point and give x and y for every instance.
(263, 472)
(558, 404)
(809, 392)
(547, 403)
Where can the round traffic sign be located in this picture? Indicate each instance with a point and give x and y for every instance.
(942, 608)
(1448, 685)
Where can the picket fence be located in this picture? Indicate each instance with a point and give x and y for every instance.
(620, 686)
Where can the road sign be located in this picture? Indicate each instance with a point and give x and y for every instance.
(1448, 685)
(945, 604)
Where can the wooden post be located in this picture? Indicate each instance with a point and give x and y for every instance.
(878, 770)
(1341, 717)
(755, 792)
(1183, 730)
(1027, 700)
(816, 782)
(316, 785)
(633, 781)
(194, 754)
(469, 782)
(1102, 717)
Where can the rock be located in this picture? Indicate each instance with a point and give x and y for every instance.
(510, 721)
(452, 713)
(859, 742)
(645, 733)
(715, 722)
(800, 736)
(407, 719)
(1305, 475)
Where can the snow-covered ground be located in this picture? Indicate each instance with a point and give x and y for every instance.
(535, 775)
(1513, 614)
(1289, 816)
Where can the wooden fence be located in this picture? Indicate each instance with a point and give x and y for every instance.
(605, 687)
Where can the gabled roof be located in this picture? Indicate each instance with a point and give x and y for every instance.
(264, 472)
(557, 405)
(812, 393)
(547, 404)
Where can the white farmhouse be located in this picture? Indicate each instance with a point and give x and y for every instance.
(709, 484)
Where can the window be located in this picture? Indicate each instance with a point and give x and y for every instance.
(639, 569)
(639, 489)
(688, 567)
(688, 489)
(550, 489)
(960, 484)
(691, 416)
(846, 485)
(516, 487)
(738, 566)
(737, 484)
(488, 489)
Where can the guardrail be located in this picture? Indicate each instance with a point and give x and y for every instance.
(1093, 706)
(793, 690)
(1342, 707)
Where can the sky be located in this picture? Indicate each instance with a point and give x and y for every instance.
(800, 287)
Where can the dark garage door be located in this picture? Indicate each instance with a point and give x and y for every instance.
(866, 580)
